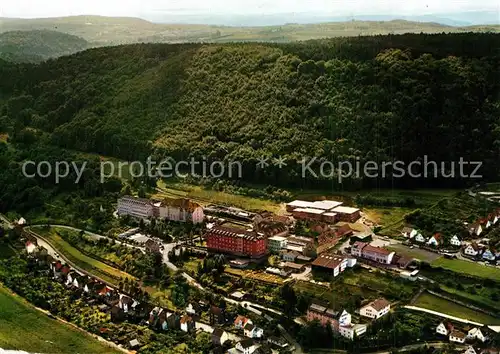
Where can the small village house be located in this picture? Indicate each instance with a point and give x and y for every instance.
(476, 334)
(219, 336)
(488, 255)
(472, 250)
(409, 232)
(246, 346)
(419, 238)
(444, 328)
(187, 324)
(376, 254)
(435, 240)
(376, 309)
(457, 337)
(475, 229)
(455, 241)
(276, 243)
(241, 321)
(252, 331)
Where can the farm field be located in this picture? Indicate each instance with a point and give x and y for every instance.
(431, 302)
(469, 268)
(417, 253)
(89, 264)
(207, 196)
(24, 328)
(259, 276)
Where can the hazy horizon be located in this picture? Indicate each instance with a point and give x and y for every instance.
(321, 8)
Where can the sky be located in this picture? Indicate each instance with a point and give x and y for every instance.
(136, 8)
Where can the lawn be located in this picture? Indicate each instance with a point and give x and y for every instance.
(89, 264)
(208, 196)
(255, 275)
(24, 328)
(469, 268)
(417, 253)
(431, 302)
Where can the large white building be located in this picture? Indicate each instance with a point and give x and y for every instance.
(181, 209)
(135, 207)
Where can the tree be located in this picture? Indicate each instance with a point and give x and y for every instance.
(290, 299)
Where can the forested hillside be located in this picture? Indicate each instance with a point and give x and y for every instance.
(36, 46)
(380, 98)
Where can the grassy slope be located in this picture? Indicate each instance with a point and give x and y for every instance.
(24, 328)
(89, 264)
(469, 268)
(435, 303)
(106, 30)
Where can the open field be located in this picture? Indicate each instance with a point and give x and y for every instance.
(478, 298)
(469, 268)
(89, 264)
(254, 275)
(207, 196)
(431, 302)
(417, 253)
(24, 328)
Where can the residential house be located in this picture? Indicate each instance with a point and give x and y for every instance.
(241, 321)
(457, 336)
(30, 247)
(455, 241)
(56, 268)
(409, 232)
(246, 346)
(219, 336)
(278, 342)
(182, 210)
(444, 328)
(488, 255)
(348, 331)
(472, 250)
(276, 243)
(216, 315)
(193, 309)
(475, 333)
(420, 238)
(289, 256)
(70, 277)
(117, 314)
(376, 254)
(475, 229)
(376, 309)
(187, 323)
(252, 331)
(126, 303)
(134, 343)
(470, 350)
(435, 240)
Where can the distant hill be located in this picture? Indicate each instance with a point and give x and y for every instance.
(125, 30)
(38, 45)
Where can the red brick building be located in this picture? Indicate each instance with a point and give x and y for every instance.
(235, 241)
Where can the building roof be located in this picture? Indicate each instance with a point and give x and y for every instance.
(235, 233)
(135, 200)
(249, 326)
(345, 210)
(277, 238)
(186, 319)
(309, 211)
(457, 334)
(379, 304)
(377, 250)
(241, 319)
(344, 229)
(293, 265)
(317, 308)
(217, 332)
(328, 261)
(302, 240)
(181, 203)
(322, 204)
(246, 343)
(406, 230)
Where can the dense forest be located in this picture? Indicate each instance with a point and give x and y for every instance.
(36, 46)
(380, 98)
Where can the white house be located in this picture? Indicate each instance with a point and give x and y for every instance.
(376, 309)
(470, 350)
(420, 238)
(442, 329)
(219, 336)
(472, 250)
(252, 331)
(435, 240)
(192, 309)
(409, 232)
(181, 209)
(30, 247)
(344, 318)
(350, 330)
(457, 337)
(22, 221)
(455, 241)
(475, 229)
(246, 346)
(475, 333)
(241, 321)
(488, 255)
